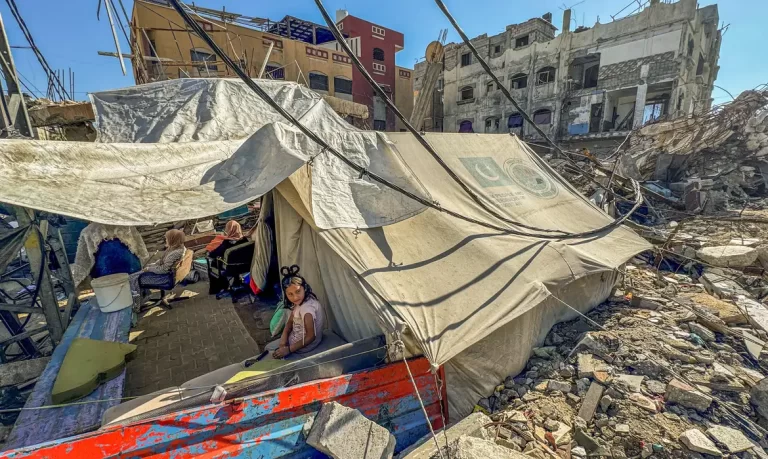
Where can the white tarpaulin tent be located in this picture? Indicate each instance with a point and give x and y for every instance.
(470, 298)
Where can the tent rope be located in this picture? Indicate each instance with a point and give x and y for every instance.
(400, 345)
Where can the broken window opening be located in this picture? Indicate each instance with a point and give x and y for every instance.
(467, 93)
(491, 125)
(465, 126)
(680, 101)
(700, 65)
(545, 76)
(522, 41)
(543, 116)
(519, 81)
(203, 57)
(590, 76)
(378, 54)
(690, 47)
(653, 111)
(466, 59)
(489, 88)
(515, 121)
(497, 49)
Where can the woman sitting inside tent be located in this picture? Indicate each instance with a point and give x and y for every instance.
(105, 249)
(157, 272)
(304, 329)
(233, 236)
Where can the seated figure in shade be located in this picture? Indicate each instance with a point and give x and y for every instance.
(106, 249)
(233, 236)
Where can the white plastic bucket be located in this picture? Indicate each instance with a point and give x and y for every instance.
(113, 292)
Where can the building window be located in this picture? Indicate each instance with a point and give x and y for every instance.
(522, 41)
(690, 47)
(680, 101)
(342, 85)
(489, 88)
(700, 65)
(518, 81)
(497, 49)
(340, 26)
(466, 59)
(274, 71)
(590, 76)
(465, 126)
(491, 125)
(207, 26)
(653, 111)
(542, 116)
(203, 57)
(377, 30)
(439, 84)
(378, 54)
(318, 81)
(379, 67)
(467, 93)
(515, 121)
(379, 125)
(545, 76)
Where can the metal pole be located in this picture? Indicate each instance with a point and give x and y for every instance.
(33, 247)
(114, 35)
(17, 108)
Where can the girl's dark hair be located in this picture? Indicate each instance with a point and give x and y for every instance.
(291, 276)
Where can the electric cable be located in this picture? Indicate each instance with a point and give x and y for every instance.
(420, 138)
(177, 5)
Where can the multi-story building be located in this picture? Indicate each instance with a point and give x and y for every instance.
(290, 49)
(585, 85)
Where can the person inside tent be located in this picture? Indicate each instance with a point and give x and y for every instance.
(106, 249)
(304, 329)
(233, 236)
(157, 272)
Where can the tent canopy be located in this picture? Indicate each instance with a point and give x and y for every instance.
(189, 148)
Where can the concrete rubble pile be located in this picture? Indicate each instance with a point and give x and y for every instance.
(661, 369)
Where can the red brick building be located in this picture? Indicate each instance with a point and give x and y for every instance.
(376, 46)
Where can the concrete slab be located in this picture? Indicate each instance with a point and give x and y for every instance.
(733, 440)
(471, 426)
(344, 433)
(591, 400)
(683, 394)
(696, 441)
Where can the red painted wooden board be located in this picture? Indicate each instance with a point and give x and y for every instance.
(266, 425)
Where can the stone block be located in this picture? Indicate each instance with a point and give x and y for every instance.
(728, 256)
(466, 447)
(696, 441)
(344, 433)
(630, 382)
(591, 400)
(15, 373)
(733, 440)
(562, 386)
(684, 395)
(587, 365)
(471, 426)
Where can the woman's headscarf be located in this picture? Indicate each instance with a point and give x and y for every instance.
(233, 231)
(174, 239)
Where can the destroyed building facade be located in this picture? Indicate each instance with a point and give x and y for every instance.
(583, 85)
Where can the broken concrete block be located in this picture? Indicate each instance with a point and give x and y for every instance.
(585, 440)
(646, 303)
(344, 433)
(471, 426)
(21, 371)
(588, 365)
(562, 386)
(630, 382)
(591, 400)
(728, 256)
(733, 440)
(606, 403)
(656, 387)
(466, 447)
(696, 441)
(753, 344)
(720, 286)
(682, 394)
(703, 332)
(590, 344)
(759, 397)
(643, 402)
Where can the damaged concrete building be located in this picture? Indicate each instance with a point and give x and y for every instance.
(586, 87)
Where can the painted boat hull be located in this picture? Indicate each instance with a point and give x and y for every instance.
(271, 424)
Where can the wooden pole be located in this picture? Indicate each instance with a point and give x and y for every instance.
(266, 58)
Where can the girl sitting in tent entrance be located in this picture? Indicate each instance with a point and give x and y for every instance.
(304, 328)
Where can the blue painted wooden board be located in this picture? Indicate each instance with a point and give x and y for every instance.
(36, 426)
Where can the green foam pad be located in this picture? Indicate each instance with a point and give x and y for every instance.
(88, 363)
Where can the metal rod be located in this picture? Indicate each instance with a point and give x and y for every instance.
(114, 35)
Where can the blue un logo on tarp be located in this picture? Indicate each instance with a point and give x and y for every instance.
(486, 172)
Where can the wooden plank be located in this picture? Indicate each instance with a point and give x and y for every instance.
(36, 426)
(20, 308)
(21, 336)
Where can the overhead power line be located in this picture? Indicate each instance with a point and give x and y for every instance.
(363, 171)
(59, 87)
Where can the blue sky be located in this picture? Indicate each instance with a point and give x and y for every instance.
(69, 35)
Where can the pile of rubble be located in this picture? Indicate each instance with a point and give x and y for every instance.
(654, 371)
